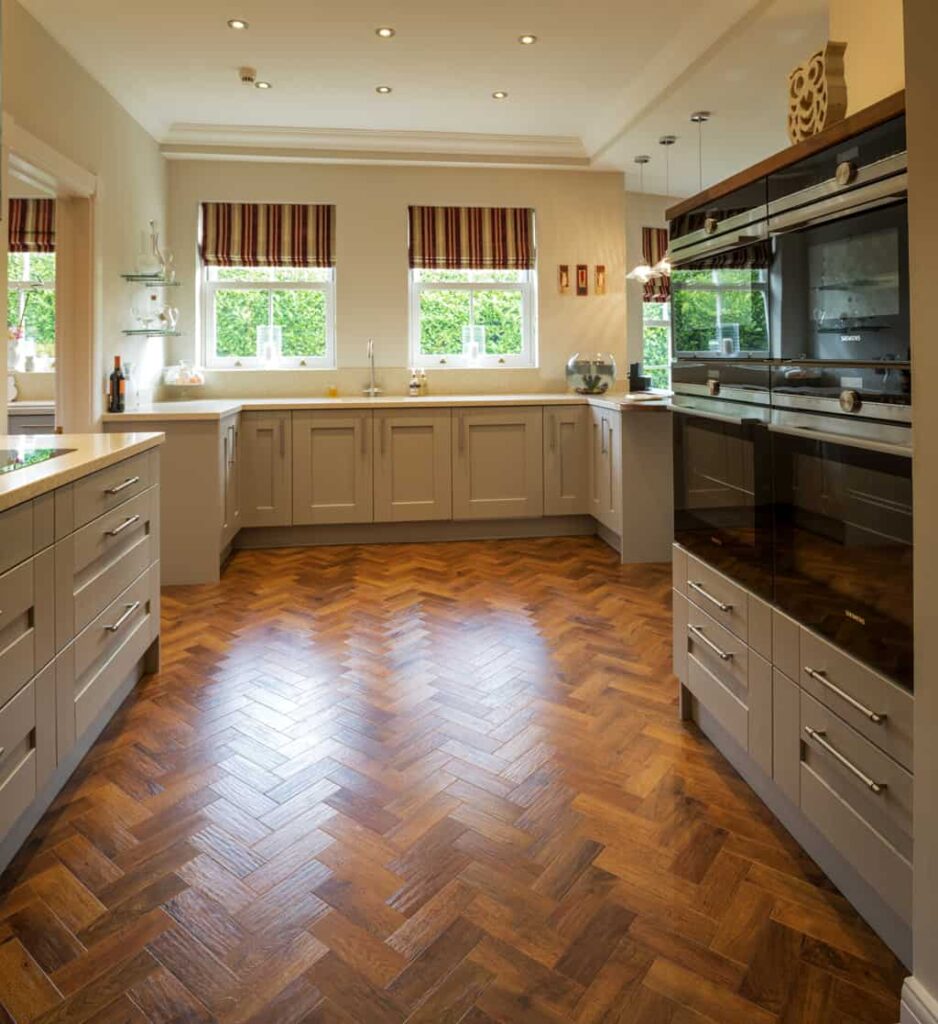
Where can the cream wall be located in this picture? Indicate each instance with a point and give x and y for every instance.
(51, 96)
(642, 210)
(874, 63)
(921, 30)
(579, 220)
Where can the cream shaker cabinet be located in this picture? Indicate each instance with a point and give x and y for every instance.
(498, 463)
(413, 473)
(605, 474)
(230, 476)
(332, 467)
(566, 477)
(266, 453)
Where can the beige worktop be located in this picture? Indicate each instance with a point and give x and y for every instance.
(214, 409)
(91, 453)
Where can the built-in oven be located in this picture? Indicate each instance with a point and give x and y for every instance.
(722, 477)
(842, 512)
(839, 275)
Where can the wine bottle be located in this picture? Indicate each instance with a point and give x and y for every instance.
(117, 388)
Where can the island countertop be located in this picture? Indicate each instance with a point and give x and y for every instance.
(89, 453)
(218, 408)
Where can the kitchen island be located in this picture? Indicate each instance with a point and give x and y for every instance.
(79, 604)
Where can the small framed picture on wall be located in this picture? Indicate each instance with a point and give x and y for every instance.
(600, 285)
(563, 277)
(582, 279)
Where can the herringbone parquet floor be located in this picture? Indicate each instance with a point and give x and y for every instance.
(429, 784)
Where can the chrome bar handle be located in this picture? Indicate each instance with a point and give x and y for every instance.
(123, 487)
(698, 588)
(820, 676)
(128, 611)
(698, 634)
(123, 526)
(818, 736)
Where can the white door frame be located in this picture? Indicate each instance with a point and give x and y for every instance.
(78, 398)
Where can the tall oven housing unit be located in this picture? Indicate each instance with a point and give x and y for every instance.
(793, 495)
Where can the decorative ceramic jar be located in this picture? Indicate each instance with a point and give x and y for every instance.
(591, 374)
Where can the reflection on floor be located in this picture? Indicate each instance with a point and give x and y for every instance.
(430, 783)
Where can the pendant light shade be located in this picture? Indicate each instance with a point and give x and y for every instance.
(643, 272)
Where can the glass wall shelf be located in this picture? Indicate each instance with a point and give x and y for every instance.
(150, 332)
(150, 279)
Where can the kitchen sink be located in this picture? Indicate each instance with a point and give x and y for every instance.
(20, 458)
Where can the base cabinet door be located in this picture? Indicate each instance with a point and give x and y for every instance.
(604, 472)
(498, 463)
(229, 451)
(332, 468)
(566, 477)
(266, 449)
(413, 473)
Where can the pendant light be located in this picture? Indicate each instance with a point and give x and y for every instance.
(663, 267)
(700, 118)
(643, 272)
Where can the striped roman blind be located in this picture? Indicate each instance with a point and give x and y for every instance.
(654, 246)
(471, 238)
(267, 235)
(32, 225)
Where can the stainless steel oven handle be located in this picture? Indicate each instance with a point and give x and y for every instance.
(818, 736)
(820, 676)
(845, 204)
(718, 416)
(851, 442)
(698, 634)
(713, 600)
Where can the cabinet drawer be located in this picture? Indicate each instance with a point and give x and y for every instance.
(723, 653)
(96, 563)
(16, 535)
(727, 602)
(27, 746)
(27, 607)
(721, 701)
(89, 670)
(872, 704)
(872, 830)
(103, 491)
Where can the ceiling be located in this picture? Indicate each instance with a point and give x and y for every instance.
(601, 80)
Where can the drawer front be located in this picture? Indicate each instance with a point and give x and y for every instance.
(101, 559)
(27, 746)
(722, 702)
(875, 787)
(16, 535)
(874, 706)
(727, 602)
(103, 491)
(721, 651)
(89, 670)
(27, 610)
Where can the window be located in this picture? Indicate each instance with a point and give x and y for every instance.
(269, 316)
(656, 343)
(31, 308)
(472, 317)
(713, 308)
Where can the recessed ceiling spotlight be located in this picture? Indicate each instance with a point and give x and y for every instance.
(237, 23)
(383, 89)
(499, 94)
(527, 40)
(384, 32)
(262, 85)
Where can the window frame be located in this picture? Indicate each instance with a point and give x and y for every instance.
(211, 285)
(527, 288)
(666, 324)
(24, 286)
(719, 289)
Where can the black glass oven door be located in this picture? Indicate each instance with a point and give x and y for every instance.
(722, 493)
(843, 546)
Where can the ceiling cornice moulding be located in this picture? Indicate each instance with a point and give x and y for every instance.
(550, 148)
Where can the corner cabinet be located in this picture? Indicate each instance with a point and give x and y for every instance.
(413, 472)
(566, 477)
(332, 468)
(266, 452)
(605, 472)
(498, 463)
